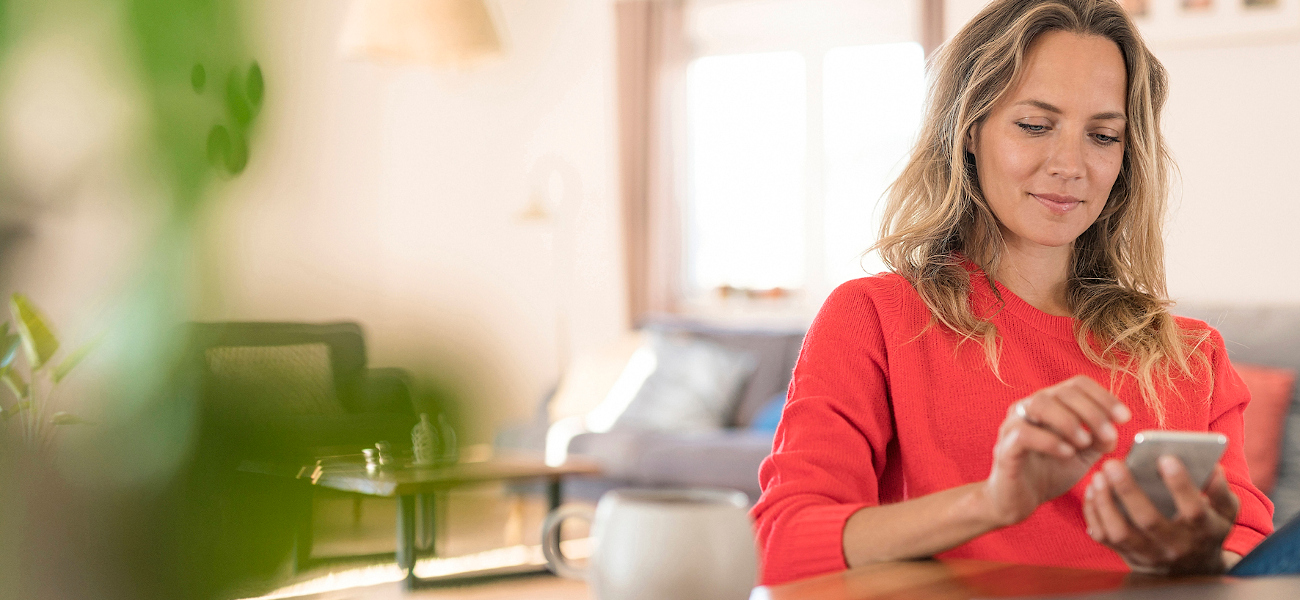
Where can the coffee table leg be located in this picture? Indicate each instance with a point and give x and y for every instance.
(554, 492)
(406, 536)
(427, 518)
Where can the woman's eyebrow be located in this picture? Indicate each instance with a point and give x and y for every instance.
(1053, 109)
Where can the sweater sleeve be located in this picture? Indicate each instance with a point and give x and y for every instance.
(829, 453)
(1227, 404)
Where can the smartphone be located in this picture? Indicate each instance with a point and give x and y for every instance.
(1198, 451)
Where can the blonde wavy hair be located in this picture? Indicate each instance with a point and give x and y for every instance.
(935, 209)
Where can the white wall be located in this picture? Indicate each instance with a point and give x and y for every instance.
(1232, 124)
(391, 195)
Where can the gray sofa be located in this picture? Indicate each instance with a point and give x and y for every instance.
(1265, 336)
(730, 457)
(726, 457)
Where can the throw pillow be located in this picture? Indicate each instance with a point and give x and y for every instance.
(1270, 397)
(693, 385)
(767, 418)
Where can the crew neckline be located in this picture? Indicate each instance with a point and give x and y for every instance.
(1061, 327)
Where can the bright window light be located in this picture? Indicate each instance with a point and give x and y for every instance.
(747, 134)
(872, 98)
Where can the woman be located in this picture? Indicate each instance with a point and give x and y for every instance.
(978, 401)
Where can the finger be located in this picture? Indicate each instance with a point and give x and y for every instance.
(1187, 498)
(1112, 524)
(1025, 437)
(1090, 518)
(1046, 410)
(1116, 409)
(1092, 414)
(1222, 499)
(1141, 512)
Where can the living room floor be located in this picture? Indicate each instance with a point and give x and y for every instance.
(471, 520)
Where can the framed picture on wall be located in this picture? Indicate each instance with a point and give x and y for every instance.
(1215, 20)
(1136, 8)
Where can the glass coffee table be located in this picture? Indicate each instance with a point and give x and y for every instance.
(415, 487)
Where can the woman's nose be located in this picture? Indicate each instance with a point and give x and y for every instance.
(1066, 160)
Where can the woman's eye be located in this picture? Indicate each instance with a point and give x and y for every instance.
(1032, 128)
(1105, 140)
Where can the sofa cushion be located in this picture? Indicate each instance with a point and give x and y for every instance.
(776, 349)
(727, 459)
(693, 385)
(1270, 397)
(724, 458)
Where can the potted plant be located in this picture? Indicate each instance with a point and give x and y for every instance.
(34, 379)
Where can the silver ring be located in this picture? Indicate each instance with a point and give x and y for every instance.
(1022, 412)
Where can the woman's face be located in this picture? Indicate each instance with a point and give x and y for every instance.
(1050, 149)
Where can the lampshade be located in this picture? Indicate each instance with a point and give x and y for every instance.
(437, 32)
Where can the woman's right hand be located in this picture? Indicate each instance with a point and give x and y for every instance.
(1047, 443)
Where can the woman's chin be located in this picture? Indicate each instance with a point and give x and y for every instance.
(1040, 239)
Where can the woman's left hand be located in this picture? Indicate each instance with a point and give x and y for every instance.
(1189, 543)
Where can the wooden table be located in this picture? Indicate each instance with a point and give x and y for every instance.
(415, 488)
(968, 579)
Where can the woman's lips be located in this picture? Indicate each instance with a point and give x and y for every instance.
(1058, 204)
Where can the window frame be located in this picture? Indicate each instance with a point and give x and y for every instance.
(797, 304)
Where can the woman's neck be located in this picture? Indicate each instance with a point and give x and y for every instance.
(1038, 275)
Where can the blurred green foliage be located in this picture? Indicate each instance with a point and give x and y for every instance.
(121, 510)
(31, 394)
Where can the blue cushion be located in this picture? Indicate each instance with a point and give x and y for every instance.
(769, 416)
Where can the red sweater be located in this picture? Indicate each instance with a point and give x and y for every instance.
(877, 415)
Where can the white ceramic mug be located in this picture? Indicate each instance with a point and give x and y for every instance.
(659, 544)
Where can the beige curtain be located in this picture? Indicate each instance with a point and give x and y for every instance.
(652, 56)
(652, 53)
(931, 22)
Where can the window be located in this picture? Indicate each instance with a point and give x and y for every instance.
(872, 98)
(790, 142)
(747, 125)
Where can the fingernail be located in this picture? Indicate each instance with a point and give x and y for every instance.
(1065, 449)
(1083, 438)
(1121, 413)
(1108, 432)
(1098, 481)
(1087, 492)
(1169, 465)
(1114, 472)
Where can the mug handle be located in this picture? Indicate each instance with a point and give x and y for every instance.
(555, 559)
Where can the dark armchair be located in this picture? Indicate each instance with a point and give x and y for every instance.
(278, 390)
(272, 394)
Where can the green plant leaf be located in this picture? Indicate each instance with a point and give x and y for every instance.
(66, 418)
(218, 146)
(236, 101)
(15, 383)
(39, 342)
(72, 360)
(256, 86)
(8, 348)
(198, 78)
(238, 157)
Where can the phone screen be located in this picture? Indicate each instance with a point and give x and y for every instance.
(1198, 451)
